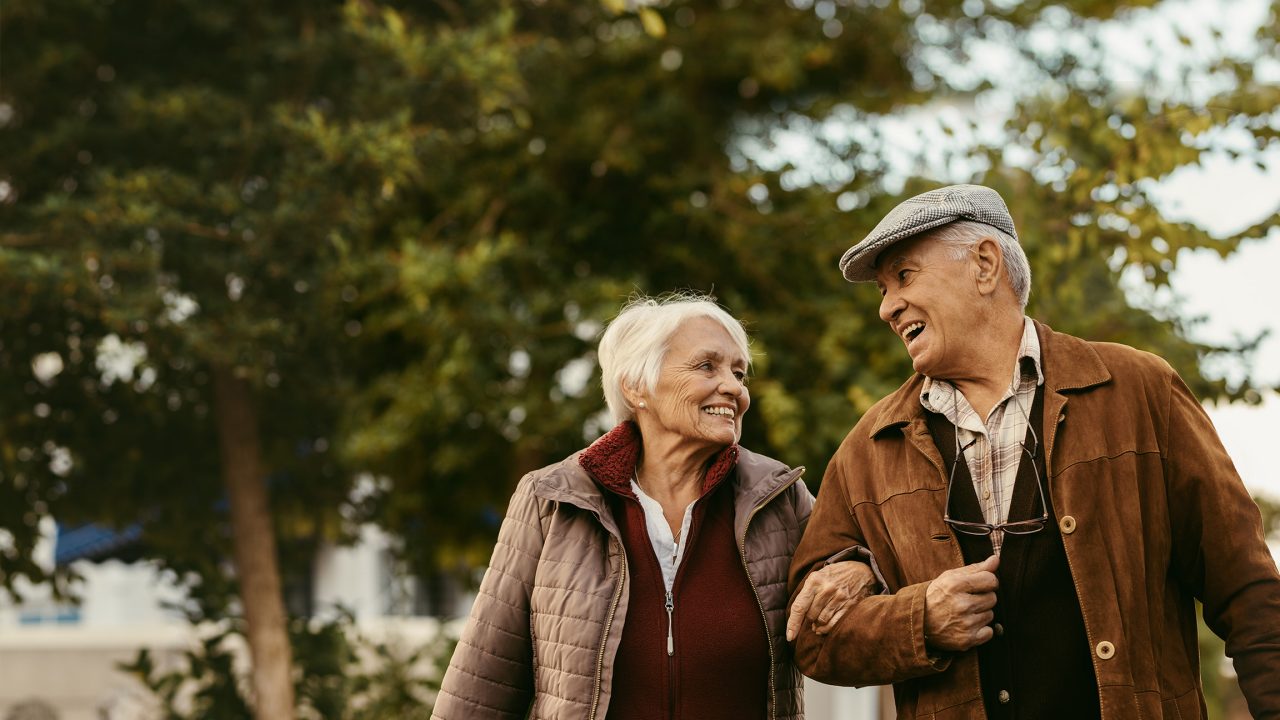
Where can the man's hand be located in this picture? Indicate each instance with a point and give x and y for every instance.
(827, 594)
(958, 606)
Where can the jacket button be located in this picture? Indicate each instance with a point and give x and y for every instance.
(1004, 697)
(1067, 524)
(1105, 650)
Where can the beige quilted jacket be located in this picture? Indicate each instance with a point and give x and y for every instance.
(545, 627)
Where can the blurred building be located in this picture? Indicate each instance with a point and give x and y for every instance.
(59, 661)
(60, 657)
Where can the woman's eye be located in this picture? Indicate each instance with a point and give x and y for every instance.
(706, 365)
(742, 377)
(902, 275)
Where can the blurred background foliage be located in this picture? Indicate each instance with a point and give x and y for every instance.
(342, 674)
(403, 225)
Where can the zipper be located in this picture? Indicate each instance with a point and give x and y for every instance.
(671, 662)
(671, 643)
(742, 553)
(604, 637)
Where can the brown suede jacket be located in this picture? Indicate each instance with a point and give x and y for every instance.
(1153, 516)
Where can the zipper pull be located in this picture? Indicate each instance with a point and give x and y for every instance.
(671, 643)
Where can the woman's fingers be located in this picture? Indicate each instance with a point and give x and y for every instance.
(826, 595)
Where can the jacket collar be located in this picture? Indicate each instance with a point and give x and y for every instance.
(1068, 363)
(567, 482)
(758, 480)
(612, 460)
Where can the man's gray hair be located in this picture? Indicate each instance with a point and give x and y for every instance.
(964, 234)
(635, 344)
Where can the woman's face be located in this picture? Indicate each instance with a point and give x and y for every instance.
(701, 394)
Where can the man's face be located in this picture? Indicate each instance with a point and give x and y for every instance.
(930, 301)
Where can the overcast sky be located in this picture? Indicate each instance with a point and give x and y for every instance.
(1240, 296)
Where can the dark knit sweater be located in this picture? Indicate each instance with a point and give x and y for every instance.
(1038, 664)
(719, 665)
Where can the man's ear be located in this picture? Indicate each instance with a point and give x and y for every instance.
(988, 265)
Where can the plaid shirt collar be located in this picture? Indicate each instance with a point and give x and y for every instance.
(939, 396)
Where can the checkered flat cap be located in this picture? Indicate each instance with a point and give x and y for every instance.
(925, 212)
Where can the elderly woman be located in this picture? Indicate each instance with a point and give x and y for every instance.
(645, 576)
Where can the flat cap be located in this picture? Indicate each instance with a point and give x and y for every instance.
(925, 211)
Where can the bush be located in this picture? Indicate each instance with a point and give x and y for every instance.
(341, 675)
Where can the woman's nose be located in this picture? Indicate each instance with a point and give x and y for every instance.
(730, 385)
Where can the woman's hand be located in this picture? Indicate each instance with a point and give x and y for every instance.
(827, 594)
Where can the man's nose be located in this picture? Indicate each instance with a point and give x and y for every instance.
(890, 306)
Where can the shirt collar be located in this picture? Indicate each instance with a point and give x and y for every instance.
(1027, 373)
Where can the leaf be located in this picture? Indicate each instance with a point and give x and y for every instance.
(652, 21)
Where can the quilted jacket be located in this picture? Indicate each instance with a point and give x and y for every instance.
(545, 627)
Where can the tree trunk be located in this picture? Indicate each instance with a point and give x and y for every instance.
(253, 539)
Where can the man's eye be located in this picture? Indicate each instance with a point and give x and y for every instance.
(902, 275)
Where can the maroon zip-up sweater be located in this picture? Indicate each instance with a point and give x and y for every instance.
(719, 664)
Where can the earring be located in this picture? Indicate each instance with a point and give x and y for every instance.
(642, 404)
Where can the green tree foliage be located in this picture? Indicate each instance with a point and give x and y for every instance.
(608, 155)
(399, 227)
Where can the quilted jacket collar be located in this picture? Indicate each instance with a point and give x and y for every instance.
(758, 479)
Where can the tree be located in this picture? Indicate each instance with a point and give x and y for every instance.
(625, 150)
(174, 266)
(252, 250)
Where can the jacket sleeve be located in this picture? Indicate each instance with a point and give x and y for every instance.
(880, 640)
(1219, 552)
(803, 504)
(490, 675)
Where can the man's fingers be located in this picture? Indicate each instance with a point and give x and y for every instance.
(990, 565)
(982, 601)
(983, 635)
(974, 583)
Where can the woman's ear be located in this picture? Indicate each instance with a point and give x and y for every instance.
(634, 397)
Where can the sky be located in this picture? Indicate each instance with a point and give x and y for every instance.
(1238, 296)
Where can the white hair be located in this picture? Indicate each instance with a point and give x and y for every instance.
(634, 346)
(962, 235)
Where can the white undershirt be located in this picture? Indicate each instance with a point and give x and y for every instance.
(668, 550)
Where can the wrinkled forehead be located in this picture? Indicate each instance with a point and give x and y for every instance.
(894, 256)
(703, 337)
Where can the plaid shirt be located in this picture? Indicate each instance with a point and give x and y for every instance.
(996, 451)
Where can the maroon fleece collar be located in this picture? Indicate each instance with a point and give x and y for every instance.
(611, 460)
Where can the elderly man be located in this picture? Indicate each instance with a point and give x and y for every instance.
(1043, 511)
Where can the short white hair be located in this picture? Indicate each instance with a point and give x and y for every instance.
(962, 235)
(634, 346)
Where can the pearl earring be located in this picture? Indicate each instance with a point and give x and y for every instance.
(642, 404)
